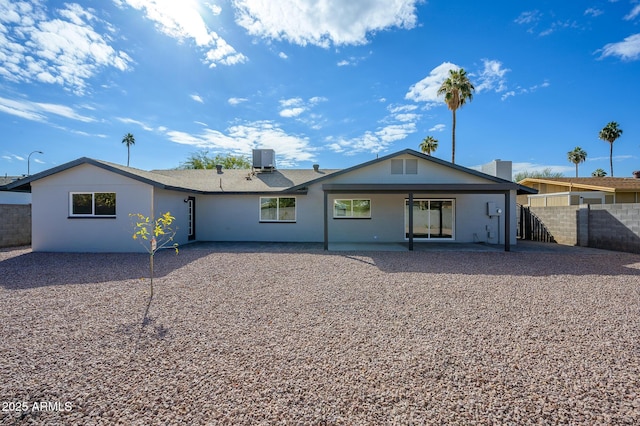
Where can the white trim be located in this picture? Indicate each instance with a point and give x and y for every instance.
(295, 211)
(93, 204)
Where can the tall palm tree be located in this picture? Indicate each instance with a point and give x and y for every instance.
(577, 156)
(457, 90)
(128, 140)
(429, 145)
(598, 173)
(610, 133)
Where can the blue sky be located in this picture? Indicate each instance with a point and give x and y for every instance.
(319, 81)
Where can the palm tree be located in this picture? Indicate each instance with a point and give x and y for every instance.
(598, 173)
(577, 156)
(610, 133)
(457, 90)
(429, 145)
(128, 140)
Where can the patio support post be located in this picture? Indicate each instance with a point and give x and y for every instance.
(326, 221)
(411, 221)
(507, 221)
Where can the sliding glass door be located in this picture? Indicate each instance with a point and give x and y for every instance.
(432, 219)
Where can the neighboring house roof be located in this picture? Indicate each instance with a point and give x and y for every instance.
(244, 181)
(606, 184)
(6, 180)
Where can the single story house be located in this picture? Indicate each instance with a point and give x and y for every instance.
(576, 191)
(406, 197)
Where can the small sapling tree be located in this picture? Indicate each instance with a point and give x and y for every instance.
(153, 235)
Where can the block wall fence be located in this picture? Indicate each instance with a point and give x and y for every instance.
(15, 225)
(605, 226)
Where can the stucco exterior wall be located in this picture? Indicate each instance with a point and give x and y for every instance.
(54, 230)
(237, 218)
(15, 225)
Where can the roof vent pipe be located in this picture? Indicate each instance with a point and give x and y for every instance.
(316, 167)
(219, 168)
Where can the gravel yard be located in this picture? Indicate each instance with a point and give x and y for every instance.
(277, 335)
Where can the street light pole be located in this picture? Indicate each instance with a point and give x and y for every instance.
(29, 161)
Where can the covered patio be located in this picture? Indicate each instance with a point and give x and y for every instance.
(413, 190)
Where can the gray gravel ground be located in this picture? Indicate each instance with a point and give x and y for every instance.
(276, 334)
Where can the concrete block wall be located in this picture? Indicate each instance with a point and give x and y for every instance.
(560, 221)
(606, 226)
(15, 225)
(615, 227)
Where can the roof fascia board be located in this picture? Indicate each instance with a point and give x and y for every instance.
(441, 188)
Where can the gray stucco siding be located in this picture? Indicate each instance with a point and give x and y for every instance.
(54, 230)
(237, 218)
(427, 172)
(387, 222)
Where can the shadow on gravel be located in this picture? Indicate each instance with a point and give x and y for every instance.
(505, 264)
(31, 270)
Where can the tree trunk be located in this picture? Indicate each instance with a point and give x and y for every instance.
(576, 169)
(611, 158)
(453, 138)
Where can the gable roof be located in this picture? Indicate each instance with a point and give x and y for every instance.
(244, 181)
(199, 181)
(606, 184)
(520, 188)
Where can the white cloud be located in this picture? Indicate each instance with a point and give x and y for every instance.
(67, 50)
(183, 21)
(592, 11)
(438, 128)
(236, 101)
(136, 122)
(293, 107)
(633, 14)
(492, 77)
(628, 49)
(292, 112)
(426, 90)
(283, 55)
(400, 123)
(39, 111)
(242, 138)
(528, 17)
(324, 23)
(197, 98)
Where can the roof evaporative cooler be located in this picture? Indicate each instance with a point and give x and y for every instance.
(264, 159)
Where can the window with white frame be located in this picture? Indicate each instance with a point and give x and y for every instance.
(350, 208)
(92, 204)
(432, 218)
(277, 209)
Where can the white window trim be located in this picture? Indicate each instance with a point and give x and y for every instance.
(93, 204)
(295, 211)
(352, 216)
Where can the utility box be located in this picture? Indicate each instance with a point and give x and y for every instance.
(493, 209)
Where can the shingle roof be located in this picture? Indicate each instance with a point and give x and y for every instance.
(610, 184)
(241, 180)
